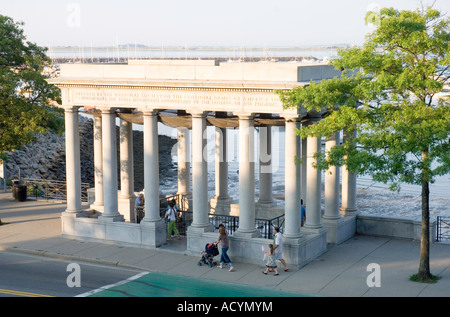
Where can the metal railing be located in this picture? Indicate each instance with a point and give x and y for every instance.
(442, 228)
(184, 216)
(182, 201)
(51, 189)
(231, 223)
(265, 226)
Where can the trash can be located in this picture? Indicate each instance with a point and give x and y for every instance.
(20, 192)
(15, 182)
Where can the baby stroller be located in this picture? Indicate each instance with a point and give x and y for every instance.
(208, 255)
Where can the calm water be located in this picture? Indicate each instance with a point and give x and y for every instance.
(440, 189)
(88, 53)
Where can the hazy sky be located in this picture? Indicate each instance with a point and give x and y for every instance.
(198, 22)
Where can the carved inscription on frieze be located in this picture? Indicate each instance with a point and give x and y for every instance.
(173, 98)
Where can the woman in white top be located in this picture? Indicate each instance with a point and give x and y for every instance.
(171, 215)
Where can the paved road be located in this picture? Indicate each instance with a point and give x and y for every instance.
(154, 284)
(30, 276)
(23, 275)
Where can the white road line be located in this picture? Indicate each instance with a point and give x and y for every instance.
(135, 277)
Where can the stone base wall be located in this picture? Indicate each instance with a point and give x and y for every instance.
(144, 235)
(297, 253)
(402, 228)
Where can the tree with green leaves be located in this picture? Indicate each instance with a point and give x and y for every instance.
(26, 99)
(389, 102)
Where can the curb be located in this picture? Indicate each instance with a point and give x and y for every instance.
(72, 258)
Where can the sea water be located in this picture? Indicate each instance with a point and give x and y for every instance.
(372, 197)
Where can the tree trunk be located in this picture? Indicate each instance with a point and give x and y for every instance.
(424, 266)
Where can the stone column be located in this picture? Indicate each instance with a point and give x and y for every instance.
(184, 161)
(110, 186)
(292, 180)
(73, 171)
(265, 165)
(246, 178)
(200, 221)
(98, 164)
(221, 165)
(332, 183)
(126, 197)
(303, 168)
(220, 203)
(348, 205)
(153, 229)
(313, 187)
(151, 167)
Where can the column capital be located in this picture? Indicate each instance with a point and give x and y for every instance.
(291, 118)
(150, 112)
(244, 115)
(197, 113)
(70, 109)
(108, 110)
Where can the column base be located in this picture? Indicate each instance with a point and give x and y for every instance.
(97, 207)
(266, 210)
(153, 233)
(296, 239)
(193, 228)
(74, 214)
(340, 230)
(221, 206)
(314, 229)
(126, 208)
(246, 234)
(348, 212)
(116, 218)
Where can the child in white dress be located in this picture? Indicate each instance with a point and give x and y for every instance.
(271, 265)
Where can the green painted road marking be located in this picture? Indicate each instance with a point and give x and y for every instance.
(168, 285)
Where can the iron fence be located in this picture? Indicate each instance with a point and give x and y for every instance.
(231, 223)
(51, 189)
(443, 228)
(184, 217)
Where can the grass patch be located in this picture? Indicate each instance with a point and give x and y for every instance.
(415, 278)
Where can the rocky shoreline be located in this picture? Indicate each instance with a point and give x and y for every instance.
(45, 158)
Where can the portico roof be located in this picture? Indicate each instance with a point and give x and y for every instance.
(192, 86)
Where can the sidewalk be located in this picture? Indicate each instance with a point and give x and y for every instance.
(35, 227)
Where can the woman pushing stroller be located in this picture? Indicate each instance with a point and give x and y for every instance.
(224, 243)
